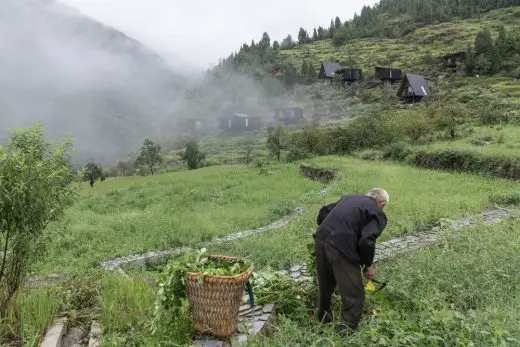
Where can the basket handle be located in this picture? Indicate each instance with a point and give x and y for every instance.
(250, 292)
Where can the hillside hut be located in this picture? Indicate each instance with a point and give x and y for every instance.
(328, 70)
(454, 60)
(413, 88)
(193, 125)
(240, 122)
(289, 115)
(388, 76)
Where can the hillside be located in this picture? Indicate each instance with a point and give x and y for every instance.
(81, 77)
(265, 74)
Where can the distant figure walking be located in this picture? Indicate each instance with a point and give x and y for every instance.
(345, 246)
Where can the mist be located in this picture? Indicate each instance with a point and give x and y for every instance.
(109, 91)
(81, 78)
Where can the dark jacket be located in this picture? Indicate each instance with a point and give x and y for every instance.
(352, 225)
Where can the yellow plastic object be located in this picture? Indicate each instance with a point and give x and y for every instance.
(370, 287)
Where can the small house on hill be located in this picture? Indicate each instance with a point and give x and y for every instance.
(388, 76)
(288, 115)
(350, 75)
(193, 125)
(413, 88)
(454, 60)
(240, 122)
(328, 70)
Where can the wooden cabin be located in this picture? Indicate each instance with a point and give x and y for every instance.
(289, 115)
(388, 76)
(240, 122)
(413, 88)
(454, 61)
(193, 125)
(328, 70)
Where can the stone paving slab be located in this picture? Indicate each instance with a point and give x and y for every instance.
(251, 320)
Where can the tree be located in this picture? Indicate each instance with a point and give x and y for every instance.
(276, 45)
(265, 41)
(287, 42)
(483, 42)
(321, 33)
(337, 23)
(192, 156)
(38, 184)
(330, 32)
(303, 37)
(315, 35)
(276, 140)
(125, 168)
(93, 172)
(150, 155)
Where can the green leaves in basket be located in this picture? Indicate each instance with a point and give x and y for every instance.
(172, 296)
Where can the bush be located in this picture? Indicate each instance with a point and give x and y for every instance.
(467, 161)
(506, 199)
(397, 151)
(493, 114)
(370, 154)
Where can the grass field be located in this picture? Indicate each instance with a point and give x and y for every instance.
(130, 215)
(418, 197)
(136, 214)
(499, 140)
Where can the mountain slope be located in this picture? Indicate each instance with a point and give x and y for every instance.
(79, 76)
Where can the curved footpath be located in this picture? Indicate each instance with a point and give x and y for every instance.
(384, 250)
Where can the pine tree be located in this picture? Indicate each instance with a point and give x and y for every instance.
(302, 36)
(337, 23)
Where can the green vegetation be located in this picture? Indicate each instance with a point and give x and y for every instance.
(150, 155)
(131, 215)
(36, 188)
(172, 312)
(455, 294)
(433, 298)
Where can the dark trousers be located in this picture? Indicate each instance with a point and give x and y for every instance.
(333, 268)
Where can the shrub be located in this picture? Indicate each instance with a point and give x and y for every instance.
(37, 187)
(397, 151)
(505, 199)
(493, 114)
(467, 161)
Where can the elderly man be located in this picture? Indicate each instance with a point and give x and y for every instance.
(344, 245)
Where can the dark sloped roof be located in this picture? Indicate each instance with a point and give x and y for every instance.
(330, 68)
(418, 84)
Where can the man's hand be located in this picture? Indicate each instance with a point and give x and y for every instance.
(369, 272)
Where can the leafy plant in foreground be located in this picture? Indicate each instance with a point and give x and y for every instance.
(36, 188)
(172, 309)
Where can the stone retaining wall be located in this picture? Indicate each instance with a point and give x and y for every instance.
(325, 175)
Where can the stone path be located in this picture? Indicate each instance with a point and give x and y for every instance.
(141, 260)
(391, 248)
(252, 320)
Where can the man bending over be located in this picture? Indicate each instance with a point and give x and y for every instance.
(345, 244)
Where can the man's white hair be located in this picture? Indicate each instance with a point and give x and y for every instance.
(379, 194)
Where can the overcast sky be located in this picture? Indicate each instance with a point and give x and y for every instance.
(202, 31)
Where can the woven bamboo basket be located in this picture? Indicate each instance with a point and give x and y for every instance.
(215, 302)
